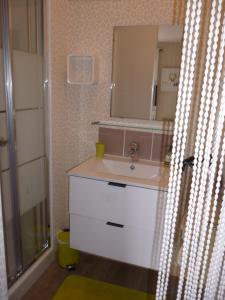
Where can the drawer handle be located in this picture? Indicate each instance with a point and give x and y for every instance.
(122, 185)
(114, 224)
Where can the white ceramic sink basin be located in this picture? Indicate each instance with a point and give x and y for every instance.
(118, 169)
(126, 168)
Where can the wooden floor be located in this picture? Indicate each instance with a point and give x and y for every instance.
(100, 269)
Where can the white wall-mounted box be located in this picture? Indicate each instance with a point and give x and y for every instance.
(81, 69)
(170, 79)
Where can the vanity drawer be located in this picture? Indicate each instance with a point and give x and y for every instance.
(128, 205)
(127, 244)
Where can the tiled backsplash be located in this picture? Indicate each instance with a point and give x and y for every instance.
(152, 146)
(113, 140)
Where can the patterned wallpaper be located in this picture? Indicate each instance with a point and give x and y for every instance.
(86, 27)
(57, 61)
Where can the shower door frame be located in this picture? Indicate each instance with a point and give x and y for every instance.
(11, 141)
(10, 117)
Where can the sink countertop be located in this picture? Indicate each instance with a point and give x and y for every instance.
(92, 168)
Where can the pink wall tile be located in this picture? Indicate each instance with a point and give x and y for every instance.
(152, 146)
(144, 139)
(113, 140)
(160, 146)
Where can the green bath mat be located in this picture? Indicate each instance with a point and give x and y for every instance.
(81, 288)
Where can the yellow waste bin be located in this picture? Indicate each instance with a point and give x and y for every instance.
(67, 257)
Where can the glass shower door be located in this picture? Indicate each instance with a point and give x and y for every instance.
(9, 224)
(27, 180)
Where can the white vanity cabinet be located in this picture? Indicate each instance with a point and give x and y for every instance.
(115, 220)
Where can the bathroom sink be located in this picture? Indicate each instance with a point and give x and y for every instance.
(120, 169)
(126, 168)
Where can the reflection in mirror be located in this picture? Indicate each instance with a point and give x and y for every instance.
(145, 71)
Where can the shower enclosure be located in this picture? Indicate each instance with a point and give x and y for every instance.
(23, 152)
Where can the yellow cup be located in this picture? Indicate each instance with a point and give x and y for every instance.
(100, 150)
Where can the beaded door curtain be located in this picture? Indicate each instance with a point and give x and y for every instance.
(200, 116)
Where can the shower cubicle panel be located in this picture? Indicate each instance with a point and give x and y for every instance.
(10, 242)
(24, 167)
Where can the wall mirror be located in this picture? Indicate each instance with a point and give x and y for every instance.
(145, 71)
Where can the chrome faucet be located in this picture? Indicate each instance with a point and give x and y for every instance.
(133, 151)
